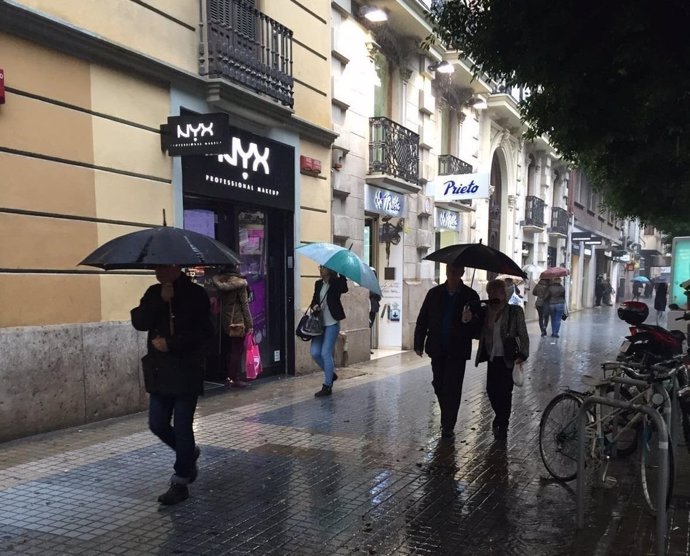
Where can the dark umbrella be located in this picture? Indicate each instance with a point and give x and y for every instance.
(477, 255)
(161, 246)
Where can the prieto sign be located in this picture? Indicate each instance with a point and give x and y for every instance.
(461, 187)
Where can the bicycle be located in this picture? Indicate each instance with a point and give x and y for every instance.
(611, 432)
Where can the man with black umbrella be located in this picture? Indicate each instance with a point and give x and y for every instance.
(176, 315)
(445, 327)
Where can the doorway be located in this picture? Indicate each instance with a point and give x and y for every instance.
(261, 237)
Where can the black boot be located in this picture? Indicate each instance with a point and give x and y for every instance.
(325, 391)
(174, 495)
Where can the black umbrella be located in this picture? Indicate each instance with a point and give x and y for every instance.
(477, 255)
(161, 246)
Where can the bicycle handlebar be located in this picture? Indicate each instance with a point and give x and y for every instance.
(654, 373)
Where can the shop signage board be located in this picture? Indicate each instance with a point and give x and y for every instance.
(383, 201)
(447, 219)
(461, 187)
(255, 170)
(193, 134)
(680, 270)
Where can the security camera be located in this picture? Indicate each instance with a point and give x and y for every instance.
(685, 285)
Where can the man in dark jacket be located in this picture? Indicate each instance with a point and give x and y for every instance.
(445, 327)
(175, 313)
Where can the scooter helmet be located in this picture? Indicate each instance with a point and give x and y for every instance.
(633, 312)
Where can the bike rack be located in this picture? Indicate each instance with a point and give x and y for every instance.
(662, 487)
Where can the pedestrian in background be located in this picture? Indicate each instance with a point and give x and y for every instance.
(636, 290)
(326, 300)
(608, 292)
(236, 321)
(374, 306)
(660, 301)
(599, 290)
(540, 303)
(444, 330)
(501, 321)
(555, 297)
(176, 315)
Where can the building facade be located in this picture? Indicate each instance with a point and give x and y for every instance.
(83, 157)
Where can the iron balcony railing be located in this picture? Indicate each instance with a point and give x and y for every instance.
(517, 93)
(559, 221)
(534, 211)
(393, 150)
(450, 165)
(241, 44)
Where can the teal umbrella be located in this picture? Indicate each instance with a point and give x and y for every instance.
(344, 262)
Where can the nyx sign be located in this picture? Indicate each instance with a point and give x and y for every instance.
(196, 134)
(253, 169)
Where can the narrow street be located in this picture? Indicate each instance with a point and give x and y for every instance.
(362, 472)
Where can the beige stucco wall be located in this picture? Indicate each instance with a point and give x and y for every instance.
(83, 143)
(134, 26)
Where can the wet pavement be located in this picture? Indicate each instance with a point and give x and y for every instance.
(362, 472)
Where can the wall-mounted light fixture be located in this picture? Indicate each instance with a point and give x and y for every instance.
(373, 14)
(442, 67)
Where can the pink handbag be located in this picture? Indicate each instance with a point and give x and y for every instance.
(252, 357)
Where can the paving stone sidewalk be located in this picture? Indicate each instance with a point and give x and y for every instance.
(361, 472)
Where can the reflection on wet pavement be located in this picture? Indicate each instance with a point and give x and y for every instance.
(362, 472)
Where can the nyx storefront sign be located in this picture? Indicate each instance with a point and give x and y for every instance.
(253, 170)
(192, 134)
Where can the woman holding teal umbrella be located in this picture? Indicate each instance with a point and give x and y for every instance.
(326, 301)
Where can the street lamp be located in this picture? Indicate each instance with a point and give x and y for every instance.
(442, 67)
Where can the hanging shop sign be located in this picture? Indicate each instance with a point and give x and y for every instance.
(383, 201)
(192, 134)
(255, 170)
(447, 219)
(461, 187)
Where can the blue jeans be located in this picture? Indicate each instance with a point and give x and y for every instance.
(322, 351)
(556, 313)
(179, 437)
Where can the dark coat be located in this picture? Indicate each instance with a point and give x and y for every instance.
(428, 331)
(337, 285)
(661, 297)
(180, 371)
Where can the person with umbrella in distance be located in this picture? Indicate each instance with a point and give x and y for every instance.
(176, 315)
(555, 297)
(540, 303)
(445, 327)
(326, 300)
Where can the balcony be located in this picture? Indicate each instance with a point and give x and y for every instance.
(559, 222)
(244, 46)
(534, 214)
(504, 103)
(393, 156)
(450, 165)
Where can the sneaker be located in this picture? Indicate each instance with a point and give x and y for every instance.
(325, 391)
(335, 377)
(195, 469)
(174, 495)
(554, 335)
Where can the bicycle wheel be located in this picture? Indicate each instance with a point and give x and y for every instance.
(625, 439)
(650, 467)
(558, 436)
